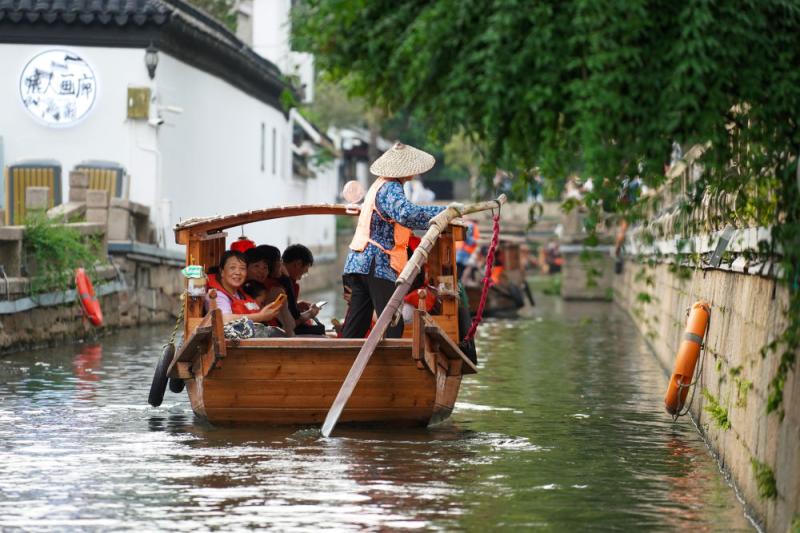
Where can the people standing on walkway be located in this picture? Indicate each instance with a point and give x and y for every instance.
(378, 249)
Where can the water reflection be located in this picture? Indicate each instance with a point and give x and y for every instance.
(561, 429)
(86, 365)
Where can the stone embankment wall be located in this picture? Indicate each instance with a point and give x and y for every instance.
(761, 451)
(133, 293)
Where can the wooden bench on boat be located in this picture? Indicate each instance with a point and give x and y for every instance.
(295, 380)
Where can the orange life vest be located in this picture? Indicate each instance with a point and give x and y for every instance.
(398, 256)
(497, 273)
(241, 304)
(412, 298)
(466, 247)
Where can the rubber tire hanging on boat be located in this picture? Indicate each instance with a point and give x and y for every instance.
(176, 385)
(159, 385)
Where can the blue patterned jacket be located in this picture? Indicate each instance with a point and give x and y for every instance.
(392, 203)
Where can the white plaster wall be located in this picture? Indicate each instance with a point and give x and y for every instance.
(104, 133)
(271, 31)
(203, 161)
(211, 159)
(317, 232)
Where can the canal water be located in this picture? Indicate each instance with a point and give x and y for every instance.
(563, 429)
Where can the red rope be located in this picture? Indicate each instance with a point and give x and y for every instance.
(487, 277)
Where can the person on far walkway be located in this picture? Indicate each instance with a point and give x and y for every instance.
(378, 249)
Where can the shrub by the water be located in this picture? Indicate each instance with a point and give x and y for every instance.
(53, 251)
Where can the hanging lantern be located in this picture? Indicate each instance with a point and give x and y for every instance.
(242, 244)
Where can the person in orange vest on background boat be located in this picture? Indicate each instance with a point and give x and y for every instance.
(498, 268)
(467, 247)
(378, 249)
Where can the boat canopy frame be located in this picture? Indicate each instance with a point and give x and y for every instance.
(204, 239)
(216, 224)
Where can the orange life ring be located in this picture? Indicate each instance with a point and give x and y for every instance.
(692, 343)
(89, 303)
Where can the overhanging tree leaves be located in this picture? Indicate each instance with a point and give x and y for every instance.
(600, 86)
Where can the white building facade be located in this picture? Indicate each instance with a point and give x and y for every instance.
(214, 139)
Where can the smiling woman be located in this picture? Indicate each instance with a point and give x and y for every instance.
(230, 299)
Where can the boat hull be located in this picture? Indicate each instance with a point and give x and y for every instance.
(499, 301)
(294, 381)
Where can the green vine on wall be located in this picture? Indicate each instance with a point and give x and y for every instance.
(53, 251)
(765, 479)
(718, 413)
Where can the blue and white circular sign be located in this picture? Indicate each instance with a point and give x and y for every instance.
(58, 87)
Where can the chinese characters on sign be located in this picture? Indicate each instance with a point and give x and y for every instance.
(58, 87)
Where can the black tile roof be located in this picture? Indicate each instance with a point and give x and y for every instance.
(119, 12)
(174, 26)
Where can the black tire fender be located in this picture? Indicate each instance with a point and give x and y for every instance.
(159, 385)
(176, 385)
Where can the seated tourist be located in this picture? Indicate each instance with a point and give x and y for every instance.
(264, 266)
(230, 300)
(476, 266)
(256, 290)
(297, 259)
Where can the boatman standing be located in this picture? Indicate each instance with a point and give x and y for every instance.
(378, 249)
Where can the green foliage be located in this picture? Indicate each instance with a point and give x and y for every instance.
(765, 479)
(553, 288)
(601, 88)
(718, 413)
(333, 107)
(53, 251)
(743, 387)
(222, 10)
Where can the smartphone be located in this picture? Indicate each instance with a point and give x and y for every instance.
(320, 304)
(280, 299)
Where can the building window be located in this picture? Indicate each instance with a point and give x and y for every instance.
(263, 146)
(274, 151)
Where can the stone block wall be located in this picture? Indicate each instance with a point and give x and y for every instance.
(587, 280)
(153, 294)
(746, 313)
(47, 326)
(150, 294)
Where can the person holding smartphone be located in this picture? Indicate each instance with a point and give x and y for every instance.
(297, 260)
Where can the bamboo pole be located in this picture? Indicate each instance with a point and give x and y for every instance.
(412, 268)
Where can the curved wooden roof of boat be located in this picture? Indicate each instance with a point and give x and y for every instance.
(220, 223)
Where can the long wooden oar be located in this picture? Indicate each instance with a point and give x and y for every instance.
(412, 268)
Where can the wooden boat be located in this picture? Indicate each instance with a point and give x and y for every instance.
(409, 381)
(507, 297)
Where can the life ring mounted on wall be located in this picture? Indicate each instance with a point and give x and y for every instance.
(688, 353)
(87, 298)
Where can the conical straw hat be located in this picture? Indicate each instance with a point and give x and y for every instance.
(401, 161)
